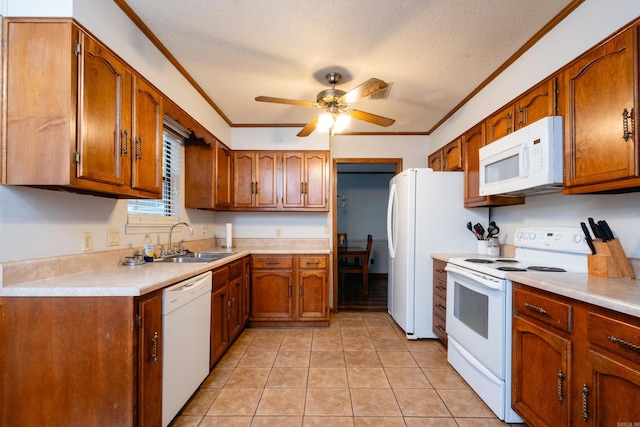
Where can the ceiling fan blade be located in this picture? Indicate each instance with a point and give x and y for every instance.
(366, 89)
(371, 118)
(286, 101)
(310, 127)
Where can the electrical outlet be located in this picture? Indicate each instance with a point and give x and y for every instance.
(326, 229)
(87, 241)
(113, 237)
(278, 232)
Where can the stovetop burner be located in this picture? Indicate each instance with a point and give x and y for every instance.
(511, 260)
(506, 268)
(480, 260)
(546, 269)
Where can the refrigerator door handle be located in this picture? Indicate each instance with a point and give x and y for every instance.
(392, 201)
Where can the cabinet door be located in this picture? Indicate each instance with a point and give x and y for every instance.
(271, 295)
(146, 173)
(219, 322)
(293, 180)
(452, 153)
(611, 395)
(104, 85)
(599, 153)
(243, 179)
(246, 291)
(235, 307)
(223, 177)
(150, 361)
(541, 376)
(312, 294)
(539, 102)
(435, 161)
(500, 124)
(266, 180)
(200, 182)
(316, 181)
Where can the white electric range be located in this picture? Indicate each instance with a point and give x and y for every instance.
(479, 307)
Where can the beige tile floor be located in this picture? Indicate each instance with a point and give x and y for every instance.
(360, 371)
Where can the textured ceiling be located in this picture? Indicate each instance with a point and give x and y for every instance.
(435, 52)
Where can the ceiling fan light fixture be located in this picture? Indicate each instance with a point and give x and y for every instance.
(342, 120)
(325, 121)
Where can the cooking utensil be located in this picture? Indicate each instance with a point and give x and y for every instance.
(479, 231)
(470, 228)
(597, 232)
(492, 230)
(587, 237)
(606, 230)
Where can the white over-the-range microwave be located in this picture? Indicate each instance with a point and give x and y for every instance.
(527, 161)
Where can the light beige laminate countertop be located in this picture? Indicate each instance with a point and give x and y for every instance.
(621, 295)
(116, 279)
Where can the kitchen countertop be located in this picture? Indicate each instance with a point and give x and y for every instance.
(111, 278)
(621, 295)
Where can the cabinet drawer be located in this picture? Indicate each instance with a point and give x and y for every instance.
(614, 335)
(439, 273)
(272, 261)
(543, 308)
(440, 306)
(440, 288)
(220, 277)
(439, 327)
(312, 262)
(235, 269)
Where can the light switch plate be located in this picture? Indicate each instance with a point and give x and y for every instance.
(113, 237)
(87, 241)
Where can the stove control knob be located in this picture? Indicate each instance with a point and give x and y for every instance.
(533, 236)
(577, 238)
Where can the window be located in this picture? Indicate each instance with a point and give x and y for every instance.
(145, 213)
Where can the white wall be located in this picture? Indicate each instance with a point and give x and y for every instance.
(590, 23)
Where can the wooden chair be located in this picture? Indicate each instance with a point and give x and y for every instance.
(359, 268)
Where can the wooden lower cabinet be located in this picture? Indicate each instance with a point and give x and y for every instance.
(228, 307)
(289, 290)
(582, 371)
(81, 361)
(440, 300)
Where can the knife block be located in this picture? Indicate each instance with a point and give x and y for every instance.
(609, 261)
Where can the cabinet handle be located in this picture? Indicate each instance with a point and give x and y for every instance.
(441, 307)
(625, 344)
(313, 263)
(290, 290)
(155, 352)
(585, 402)
(509, 123)
(218, 184)
(626, 134)
(302, 188)
(272, 262)
(560, 381)
(440, 270)
(256, 187)
(300, 290)
(441, 328)
(519, 117)
(125, 143)
(534, 308)
(442, 288)
(139, 148)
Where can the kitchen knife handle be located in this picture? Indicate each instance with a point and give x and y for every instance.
(587, 238)
(597, 233)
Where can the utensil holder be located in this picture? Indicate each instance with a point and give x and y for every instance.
(610, 260)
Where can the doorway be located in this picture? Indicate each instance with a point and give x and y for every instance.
(351, 217)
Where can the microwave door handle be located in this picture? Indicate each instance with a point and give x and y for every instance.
(524, 160)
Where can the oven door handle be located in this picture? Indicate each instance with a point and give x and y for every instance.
(483, 279)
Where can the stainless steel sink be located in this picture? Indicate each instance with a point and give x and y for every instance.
(196, 257)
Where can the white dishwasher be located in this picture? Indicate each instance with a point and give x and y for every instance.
(186, 325)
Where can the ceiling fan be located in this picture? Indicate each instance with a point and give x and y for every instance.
(336, 104)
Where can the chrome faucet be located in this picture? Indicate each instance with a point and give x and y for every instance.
(169, 249)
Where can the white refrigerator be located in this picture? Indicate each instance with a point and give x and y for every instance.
(425, 215)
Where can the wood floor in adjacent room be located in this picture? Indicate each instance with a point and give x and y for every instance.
(359, 371)
(351, 294)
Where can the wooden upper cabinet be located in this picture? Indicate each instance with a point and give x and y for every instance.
(472, 141)
(146, 170)
(539, 102)
(208, 175)
(72, 114)
(255, 179)
(435, 161)
(305, 180)
(601, 150)
(500, 123)
(453, 156)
